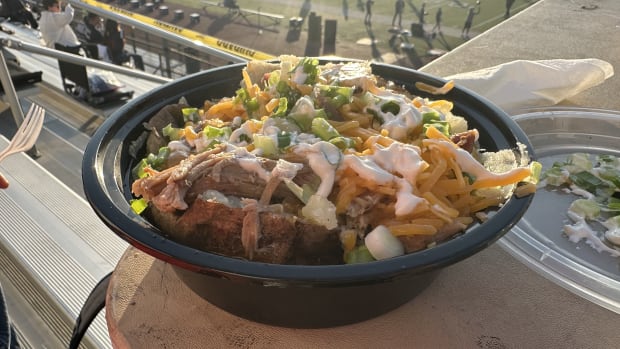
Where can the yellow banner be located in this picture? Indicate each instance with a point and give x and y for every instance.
(223, 45)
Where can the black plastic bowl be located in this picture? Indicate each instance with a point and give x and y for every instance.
(287, 295)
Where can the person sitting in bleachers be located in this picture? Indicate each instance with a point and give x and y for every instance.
(114, 39)
(16, 11)
(89, 32)
(54, 24)
(115, 42)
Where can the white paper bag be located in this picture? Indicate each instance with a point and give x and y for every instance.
(522, 83)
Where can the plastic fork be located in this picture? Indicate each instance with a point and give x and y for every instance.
(27, 133)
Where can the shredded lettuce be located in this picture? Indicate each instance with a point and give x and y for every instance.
(596, 178)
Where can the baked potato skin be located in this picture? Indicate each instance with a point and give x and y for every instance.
(215, 227)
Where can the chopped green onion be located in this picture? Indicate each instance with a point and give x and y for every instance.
(578, 162)
(608, 160)
(613, 204)
(337, 96)
(586, 209)
(159, 161)
(266, 144)
(282, 107)
(190, 115)
(138, 170)
(216, 132)
(441, 126)
(535, 170)
(303, 121)
(252, 105)
(138, 205)
(382, 244)
(555, 175)
(470, 177)
(611, 174)
(391, 107)
(320, 113)
(173, 133)
(430, 117)
(377, 120)
(284, 139)
(586, 180)
(359, 254)
(303, 193)
(310, 66)
(342, 142)
(319, 210)
(323, 129)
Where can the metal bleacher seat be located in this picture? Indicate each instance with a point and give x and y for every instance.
(55, 248)
(76, 74)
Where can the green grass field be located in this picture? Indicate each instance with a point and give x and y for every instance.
(352, 29)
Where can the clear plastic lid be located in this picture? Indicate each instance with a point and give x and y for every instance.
(537, 239)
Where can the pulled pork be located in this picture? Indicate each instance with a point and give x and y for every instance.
(250, 227)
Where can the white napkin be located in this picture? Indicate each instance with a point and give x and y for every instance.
(522, 83)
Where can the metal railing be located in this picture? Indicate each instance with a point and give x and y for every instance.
(189, 51)
(81, 60)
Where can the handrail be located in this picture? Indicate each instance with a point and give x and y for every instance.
(76, 59)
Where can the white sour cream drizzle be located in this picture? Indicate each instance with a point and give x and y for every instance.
(470, 165)
(235, 136)
(178, 147)
(320, 158)
(580, 230)
(250, 163)
(406, 201)
(402, 159)
(401, 124)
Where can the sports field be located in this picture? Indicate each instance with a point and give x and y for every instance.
(379, 40)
